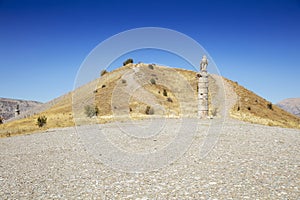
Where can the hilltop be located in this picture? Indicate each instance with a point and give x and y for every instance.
(138, 91)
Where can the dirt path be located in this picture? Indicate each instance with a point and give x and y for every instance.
(132, 89)
(224, 97)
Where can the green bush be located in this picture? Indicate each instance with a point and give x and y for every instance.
(149, 110)
(152, 81)
(270, 106)
(130, 60)
(169, 100)
(91, 111)
(41, 121)
(165, 93)
(103, 72)
(151, 67)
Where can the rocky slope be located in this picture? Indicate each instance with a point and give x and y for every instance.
(291, 105)
(8, 106)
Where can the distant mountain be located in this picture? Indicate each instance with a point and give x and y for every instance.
(291, 105)
(8, 106)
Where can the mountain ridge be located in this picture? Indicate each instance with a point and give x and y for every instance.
(9, 105)
(291, 105)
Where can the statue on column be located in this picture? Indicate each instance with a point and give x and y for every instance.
(203, 64)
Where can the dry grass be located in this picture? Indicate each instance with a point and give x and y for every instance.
(104, 95)
(171, 107)
(60, 115)
(250, 107)
(254, 109)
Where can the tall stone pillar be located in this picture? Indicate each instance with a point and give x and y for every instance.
(203, 89)
(203, 95)
(17, 111)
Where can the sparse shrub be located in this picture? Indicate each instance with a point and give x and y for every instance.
(103, 86)
(169, 100)
(123, 81)
(238, 108)
(91, 111)
(130, 109)
(95, 91)
(103, 72)
(149, 110)
(270, 124)
(214, 112)
(8, 134)
(130, 60)
(41, 121)
(249, 108)
(165, 93)
(152, 81)
(151, 67)
(270, 106)
(1, 120)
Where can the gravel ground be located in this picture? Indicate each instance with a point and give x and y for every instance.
(247, 162)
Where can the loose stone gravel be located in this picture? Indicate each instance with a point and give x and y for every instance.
(247, 162)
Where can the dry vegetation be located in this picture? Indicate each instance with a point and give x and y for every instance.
(104, 94)
(254, 109)
(60, 115)
(169, 102)
(250, 107)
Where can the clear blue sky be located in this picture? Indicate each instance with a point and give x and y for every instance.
(43, 43)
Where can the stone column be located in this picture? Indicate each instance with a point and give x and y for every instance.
(203, 89)
(17, 111)
(203, 95)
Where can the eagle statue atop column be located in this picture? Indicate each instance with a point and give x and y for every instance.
(203, 64)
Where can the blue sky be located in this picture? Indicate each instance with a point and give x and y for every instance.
(43, 43)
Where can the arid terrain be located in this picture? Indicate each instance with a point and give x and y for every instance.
(8, 107)
(147, 143)
(127, 92)
(248, 161)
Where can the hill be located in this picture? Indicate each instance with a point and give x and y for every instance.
(255, 109)
(8, 106)
(291, 105)
(138, 91)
